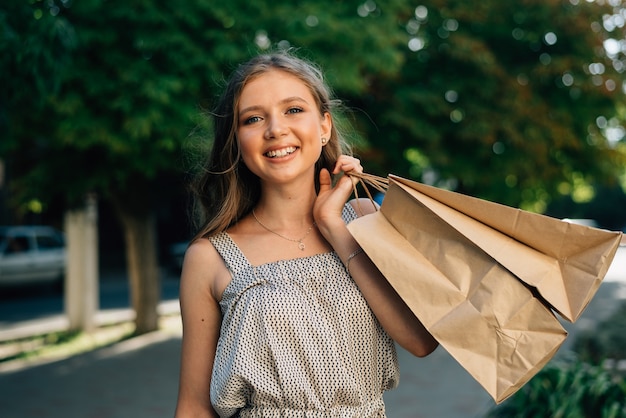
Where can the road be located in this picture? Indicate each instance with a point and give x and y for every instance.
(36, 302)
(138, 377)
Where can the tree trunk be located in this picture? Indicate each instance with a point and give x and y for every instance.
(142, 267)
(81, 276)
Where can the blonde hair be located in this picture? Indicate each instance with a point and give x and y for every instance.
(226, 189)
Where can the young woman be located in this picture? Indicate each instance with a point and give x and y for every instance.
(283, 313)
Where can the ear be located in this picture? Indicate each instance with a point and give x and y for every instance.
(326, 125)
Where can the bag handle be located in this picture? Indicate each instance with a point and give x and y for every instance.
(379, 183)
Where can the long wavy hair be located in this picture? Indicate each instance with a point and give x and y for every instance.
(226, 190)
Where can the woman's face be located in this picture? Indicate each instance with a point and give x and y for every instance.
(280, 128)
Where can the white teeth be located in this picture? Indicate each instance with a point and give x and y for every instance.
(281, 152)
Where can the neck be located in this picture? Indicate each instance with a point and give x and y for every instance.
(285, 209)
(284, 217)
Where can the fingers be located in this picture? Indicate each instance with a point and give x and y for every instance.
(346, 184)
(347, 164)
(343, 186)
(331, 197)
(325, 180)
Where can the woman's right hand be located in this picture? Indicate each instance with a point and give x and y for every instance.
(330, 200)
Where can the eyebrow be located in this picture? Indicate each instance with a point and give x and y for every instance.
(282, 102)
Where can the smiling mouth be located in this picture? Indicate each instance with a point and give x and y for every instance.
(280, 152)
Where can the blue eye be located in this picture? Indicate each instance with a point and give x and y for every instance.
(251, 120)
(294, 110)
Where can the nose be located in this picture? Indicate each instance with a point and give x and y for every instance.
(275, 128)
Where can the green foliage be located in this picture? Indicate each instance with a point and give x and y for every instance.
(35, 49)
(586, 387)
(496, 99)
(567, 390)
(114, 114)
(499, 98)
(607, 207)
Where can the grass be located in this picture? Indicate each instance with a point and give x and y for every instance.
(63, 344)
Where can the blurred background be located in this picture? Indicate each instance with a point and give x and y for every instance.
(104, 120)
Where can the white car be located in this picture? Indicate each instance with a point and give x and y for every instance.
(31, 254)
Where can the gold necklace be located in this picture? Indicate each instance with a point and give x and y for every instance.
(299, 241)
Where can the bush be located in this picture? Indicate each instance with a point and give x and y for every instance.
(567, 389)
(582, 388)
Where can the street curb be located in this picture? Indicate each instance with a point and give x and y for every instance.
(58, 323)
(115, 348)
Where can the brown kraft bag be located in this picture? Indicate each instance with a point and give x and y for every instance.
(484, 278)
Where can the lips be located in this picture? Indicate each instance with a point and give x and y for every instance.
(283, 152)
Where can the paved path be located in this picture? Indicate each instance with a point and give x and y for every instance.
(138, 378)
(135, 378)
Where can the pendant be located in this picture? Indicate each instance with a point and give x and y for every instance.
(301, 245)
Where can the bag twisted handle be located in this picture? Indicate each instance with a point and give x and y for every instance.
(379, 183)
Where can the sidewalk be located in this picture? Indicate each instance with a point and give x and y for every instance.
(134, 378)
(54, 323)
(139, 377)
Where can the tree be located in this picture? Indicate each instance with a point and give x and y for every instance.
(501, 100)
(128, 91)
(505, 100)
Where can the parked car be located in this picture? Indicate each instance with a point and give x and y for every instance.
(31, 254)
(585, 222)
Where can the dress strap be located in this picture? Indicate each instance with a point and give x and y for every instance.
(234, 259)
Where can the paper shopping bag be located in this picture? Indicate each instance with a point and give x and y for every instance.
(565, 262)
(486, 318)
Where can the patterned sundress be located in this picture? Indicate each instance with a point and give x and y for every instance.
(298, 340)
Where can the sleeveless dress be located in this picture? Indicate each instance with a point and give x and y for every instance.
(298, 340)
